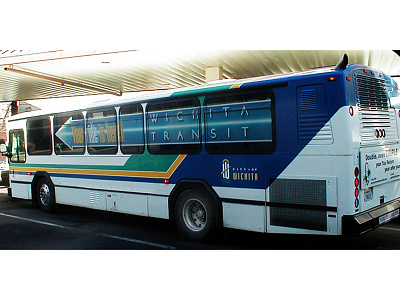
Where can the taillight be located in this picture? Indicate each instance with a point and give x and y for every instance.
(356, 184)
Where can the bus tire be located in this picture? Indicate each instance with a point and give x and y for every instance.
(195, 214)
(45, 194)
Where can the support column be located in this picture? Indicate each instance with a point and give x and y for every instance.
(14, 108)
(213, 73)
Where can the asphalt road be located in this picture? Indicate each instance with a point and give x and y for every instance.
(23, 226)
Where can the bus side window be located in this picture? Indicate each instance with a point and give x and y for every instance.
(17, 146)
(240, 123)
(131, 129)
(39, 136)
(69, 133)
(101, 131)
(173, 126)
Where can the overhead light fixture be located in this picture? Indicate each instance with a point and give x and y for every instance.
(80, 84)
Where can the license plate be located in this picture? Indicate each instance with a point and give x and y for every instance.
(390, 216)
(368, 194)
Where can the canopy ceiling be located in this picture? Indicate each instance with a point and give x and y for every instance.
(27, 75)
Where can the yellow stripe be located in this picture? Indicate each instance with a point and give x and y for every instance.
(176, 164)
(236, 86)
(147, 174)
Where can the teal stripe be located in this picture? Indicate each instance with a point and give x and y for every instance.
(202, 90)
(137, 162)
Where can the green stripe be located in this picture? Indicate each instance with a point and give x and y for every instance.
(137, 162)
(202, 90)
(149, 162)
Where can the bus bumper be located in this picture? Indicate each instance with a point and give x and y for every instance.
(370, 219)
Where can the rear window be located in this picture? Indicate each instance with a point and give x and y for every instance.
(240, 123)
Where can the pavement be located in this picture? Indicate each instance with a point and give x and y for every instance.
(23, 226)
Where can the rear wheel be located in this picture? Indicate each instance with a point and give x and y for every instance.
(46, 195)
(195, 214)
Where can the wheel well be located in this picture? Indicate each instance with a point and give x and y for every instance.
(197, 184)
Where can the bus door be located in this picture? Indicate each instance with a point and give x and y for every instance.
(17, 146)
(17, 155)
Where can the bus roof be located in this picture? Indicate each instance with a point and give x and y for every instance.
(210, 87)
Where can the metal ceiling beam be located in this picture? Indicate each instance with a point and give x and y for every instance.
(87, 85)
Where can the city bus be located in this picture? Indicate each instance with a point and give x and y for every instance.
(309, 152)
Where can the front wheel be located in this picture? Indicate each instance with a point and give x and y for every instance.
(46, 195)
(195, 215)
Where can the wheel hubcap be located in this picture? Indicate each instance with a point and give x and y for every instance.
(194, 215)
(44, 194)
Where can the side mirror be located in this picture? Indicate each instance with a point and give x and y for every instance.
(3, 148)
